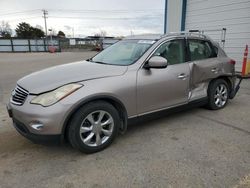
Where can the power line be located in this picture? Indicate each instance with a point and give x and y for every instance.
(21, 15)
(99, 10)
(85, 11)
(105, 18)
(20, 12)
(27, 18)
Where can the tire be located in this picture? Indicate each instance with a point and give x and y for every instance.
(218, 94)
(94, 127)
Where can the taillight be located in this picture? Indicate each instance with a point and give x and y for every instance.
(232, 62)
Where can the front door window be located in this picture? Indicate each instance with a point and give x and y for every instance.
(173, 51)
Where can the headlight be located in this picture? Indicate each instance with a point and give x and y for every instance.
(56, 95)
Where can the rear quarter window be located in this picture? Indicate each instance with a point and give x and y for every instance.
(199, 49)
(216, 50)
(219, 51)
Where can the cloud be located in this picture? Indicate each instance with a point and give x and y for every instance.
(90, 16)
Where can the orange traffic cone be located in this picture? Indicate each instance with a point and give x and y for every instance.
(244, 65)
(248, 67)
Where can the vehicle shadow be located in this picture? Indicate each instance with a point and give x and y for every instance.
(135, 126)
(146, 121)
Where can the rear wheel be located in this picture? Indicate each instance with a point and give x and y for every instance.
(94, 126)
(218, 94)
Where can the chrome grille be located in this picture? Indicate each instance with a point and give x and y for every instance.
(19, 95)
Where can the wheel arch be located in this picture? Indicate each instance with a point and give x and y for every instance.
(227, 79)
(211, 91)
(118, 105)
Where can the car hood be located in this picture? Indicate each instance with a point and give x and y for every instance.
(51, 78)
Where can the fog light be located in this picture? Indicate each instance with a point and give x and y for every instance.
(36, 125)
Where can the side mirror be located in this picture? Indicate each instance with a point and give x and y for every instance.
(156, 62)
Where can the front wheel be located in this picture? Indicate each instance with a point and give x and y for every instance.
(94, 126)
(218, 94)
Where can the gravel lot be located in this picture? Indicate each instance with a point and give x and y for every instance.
(194, 148)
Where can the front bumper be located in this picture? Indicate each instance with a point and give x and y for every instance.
(39, 124)
(51, 118)
(38, 139)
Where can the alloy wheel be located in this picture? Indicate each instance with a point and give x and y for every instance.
(96, 128)
(221, 95)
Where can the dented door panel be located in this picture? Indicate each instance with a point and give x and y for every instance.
(203, 71)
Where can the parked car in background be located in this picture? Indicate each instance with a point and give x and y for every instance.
(89, 102)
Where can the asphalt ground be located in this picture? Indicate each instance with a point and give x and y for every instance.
(191, 148)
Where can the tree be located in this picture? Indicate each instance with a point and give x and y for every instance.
(25, 30)
(61, 34)
(36, 33)
(5, 30)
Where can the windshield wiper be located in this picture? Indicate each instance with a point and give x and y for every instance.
(99, 62)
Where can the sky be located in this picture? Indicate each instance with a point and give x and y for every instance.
(87, 17)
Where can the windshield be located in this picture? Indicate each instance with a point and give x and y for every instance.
(124, 52)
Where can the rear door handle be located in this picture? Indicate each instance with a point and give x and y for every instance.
(182, 76)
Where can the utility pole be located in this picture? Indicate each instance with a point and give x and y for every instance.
(45, 16)
(45, 13)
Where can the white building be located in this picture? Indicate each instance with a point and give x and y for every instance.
(234, 15)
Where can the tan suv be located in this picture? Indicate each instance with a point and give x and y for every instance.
(89, 102)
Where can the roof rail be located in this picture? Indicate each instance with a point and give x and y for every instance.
(200, 33)
(187, 33)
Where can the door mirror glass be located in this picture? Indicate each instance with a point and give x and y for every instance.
(156, 62)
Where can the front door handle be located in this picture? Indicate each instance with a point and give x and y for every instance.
(214, 70)
(182, 76)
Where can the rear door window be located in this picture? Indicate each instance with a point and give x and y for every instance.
(199, 49)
